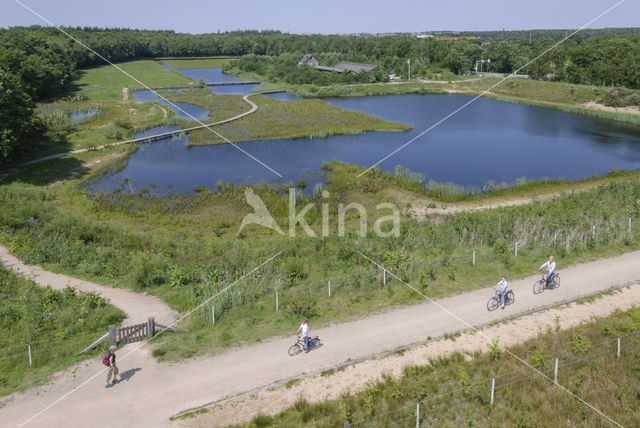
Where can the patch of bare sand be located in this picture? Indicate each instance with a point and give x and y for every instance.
(422, 208)
(355, 378)
(600, 107)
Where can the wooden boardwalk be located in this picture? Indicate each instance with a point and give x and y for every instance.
(237, 82)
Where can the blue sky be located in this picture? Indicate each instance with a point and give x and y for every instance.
(323, 16)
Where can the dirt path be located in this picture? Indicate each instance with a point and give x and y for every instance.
(153, 392)
(357, 377)
(423, 208)
(138, 307)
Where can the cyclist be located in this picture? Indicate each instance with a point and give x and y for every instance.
(304, 329)
(551, 270)
(502, 288)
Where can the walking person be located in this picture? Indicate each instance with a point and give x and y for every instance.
(109, 360)
(304, 329)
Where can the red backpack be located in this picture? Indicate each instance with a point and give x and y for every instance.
(106, 359)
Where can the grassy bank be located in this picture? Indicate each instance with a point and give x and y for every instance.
(436, 192)
(278, 119)
(197, 62)
(57, 325)
(356, 90)
(558, 95)
(455, 391)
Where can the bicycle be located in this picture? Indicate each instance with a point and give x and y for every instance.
(540, 285)
(494, 302)
(298, 347)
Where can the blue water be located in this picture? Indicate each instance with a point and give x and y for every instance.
(283, 96)
(488, 140)
(78, 116)
(207, 74)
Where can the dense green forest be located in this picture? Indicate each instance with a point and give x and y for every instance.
(39, 63)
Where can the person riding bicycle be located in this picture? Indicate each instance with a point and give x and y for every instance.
(502, 288)
(304, 329)
(551, 270)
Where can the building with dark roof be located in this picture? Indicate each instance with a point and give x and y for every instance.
(309, 60)
(354, 67)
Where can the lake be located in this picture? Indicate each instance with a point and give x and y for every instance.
(488, 140)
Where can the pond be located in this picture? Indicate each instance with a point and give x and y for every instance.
(487, 141)
(78, 116)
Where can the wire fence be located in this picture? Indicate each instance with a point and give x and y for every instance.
(494, 388)
(39, 353)
(298, 297)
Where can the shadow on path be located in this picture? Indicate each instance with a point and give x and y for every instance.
(125, 376)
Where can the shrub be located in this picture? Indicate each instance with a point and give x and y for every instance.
(539, 358)
(147, 270)
(295, 270)
(297, 307)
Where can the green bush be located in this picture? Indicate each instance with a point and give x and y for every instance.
(148, 270)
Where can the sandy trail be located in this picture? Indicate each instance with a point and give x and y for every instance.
(138, 307)
(356, 377)
(156, 391)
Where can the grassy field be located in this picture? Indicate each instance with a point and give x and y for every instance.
(278, 119)
(57, 324)
(455, 391)
(106, 82)
(197, 62)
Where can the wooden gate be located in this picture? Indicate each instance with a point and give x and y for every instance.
(134, 333)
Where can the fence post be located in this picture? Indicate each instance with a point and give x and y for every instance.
(213, 314)
(593, 232)
(493, 388)
(555, 373)
(113, 340)
(329, 284)
(629, 227)
(474, 257)
(29, 346)
(384, 276)
(151, 327)
(555, 239)
(346, 424)
(418, 415)
(618, 348)
(516, 248)
(276, 300)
